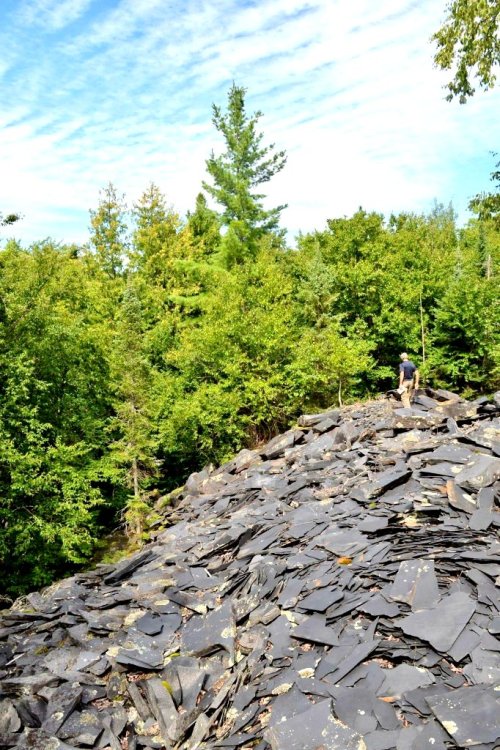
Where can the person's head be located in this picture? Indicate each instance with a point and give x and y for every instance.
(403, 356)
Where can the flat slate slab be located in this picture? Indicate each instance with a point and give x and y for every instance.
(338, 588)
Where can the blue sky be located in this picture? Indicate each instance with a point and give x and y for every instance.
(95, 91)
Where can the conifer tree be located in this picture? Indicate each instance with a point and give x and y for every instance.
(108, 229)
(204, 225)
(156, 227)
(134, 449)
(236, 175)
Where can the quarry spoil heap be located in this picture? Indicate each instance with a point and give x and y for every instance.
(338, 588)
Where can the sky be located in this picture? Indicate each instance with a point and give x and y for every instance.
(121, 91)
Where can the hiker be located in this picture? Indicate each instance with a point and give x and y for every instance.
(408, 380)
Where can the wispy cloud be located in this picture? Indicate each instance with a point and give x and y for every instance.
(52, 14)
(122, 90)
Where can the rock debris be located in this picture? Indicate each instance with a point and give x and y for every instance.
(338, 588)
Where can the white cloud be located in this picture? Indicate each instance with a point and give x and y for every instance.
(348, 89)
(53, 14)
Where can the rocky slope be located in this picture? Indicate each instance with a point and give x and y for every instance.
(338, 589)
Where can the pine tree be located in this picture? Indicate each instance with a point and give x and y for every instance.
(108, 229)
(236, 174)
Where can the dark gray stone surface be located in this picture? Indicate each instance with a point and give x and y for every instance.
(338, 588)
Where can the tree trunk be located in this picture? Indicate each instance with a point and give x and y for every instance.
(135, 478)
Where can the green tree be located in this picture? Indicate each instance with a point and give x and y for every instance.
(9, 219)
(465, 341)
(155, 232)
(108, 235)
(55, 405)
(487, 205)
(237, 173)
(204, 225)
(468, 43)
(133, 450)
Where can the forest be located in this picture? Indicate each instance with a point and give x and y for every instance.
(166, 343)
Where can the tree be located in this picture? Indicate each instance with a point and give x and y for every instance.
(156, 227)
(487, 205)
(9, 219)
(469, 44)
(465, 342)
(55, 403)
(204, 225)
(134, 448)
(236, 173)
(108, 230)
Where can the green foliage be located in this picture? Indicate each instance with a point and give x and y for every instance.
(487, 205)
(468, 43)
(109, 231)
(53, 411)
(133, 450)
(127, 365)
(9, 219)
(465, 352)
(236, 173)
(204, 225)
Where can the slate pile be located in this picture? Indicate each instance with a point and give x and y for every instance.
(339, 588)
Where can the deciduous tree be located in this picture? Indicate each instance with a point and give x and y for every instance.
(468, 44)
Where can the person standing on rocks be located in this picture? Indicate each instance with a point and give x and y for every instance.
(408, 380)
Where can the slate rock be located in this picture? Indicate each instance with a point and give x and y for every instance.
(61, 704)
(441, 625)
(416, 584)
(310, 420)
(9, 718)
(282, 585)
(408, 419)
(403, 678)
(82, 728)
(202, 634)
(469, 715)
(276, 447)
(314, 728)
(480, 471)
(163, 708)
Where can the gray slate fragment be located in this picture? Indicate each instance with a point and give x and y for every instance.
(442, 624)
(38, 739)
(163, 708)
(276, 447)
(313, 729)
(62, 703)
(416, 584)
(309, 420)
(202, 634)
(483, 516)
(480, 471)
(404, 678)
(126, 567)
(82, 728)
(470, 715)
(408, 419)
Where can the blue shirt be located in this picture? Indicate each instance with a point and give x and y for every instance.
(408, 368)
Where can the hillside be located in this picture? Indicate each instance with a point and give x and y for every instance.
(336, 589)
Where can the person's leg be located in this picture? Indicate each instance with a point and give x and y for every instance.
(405, 396)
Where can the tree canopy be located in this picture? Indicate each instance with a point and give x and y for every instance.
(468, 45)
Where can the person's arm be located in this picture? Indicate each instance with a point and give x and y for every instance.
(401, 375)
(417, 379)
